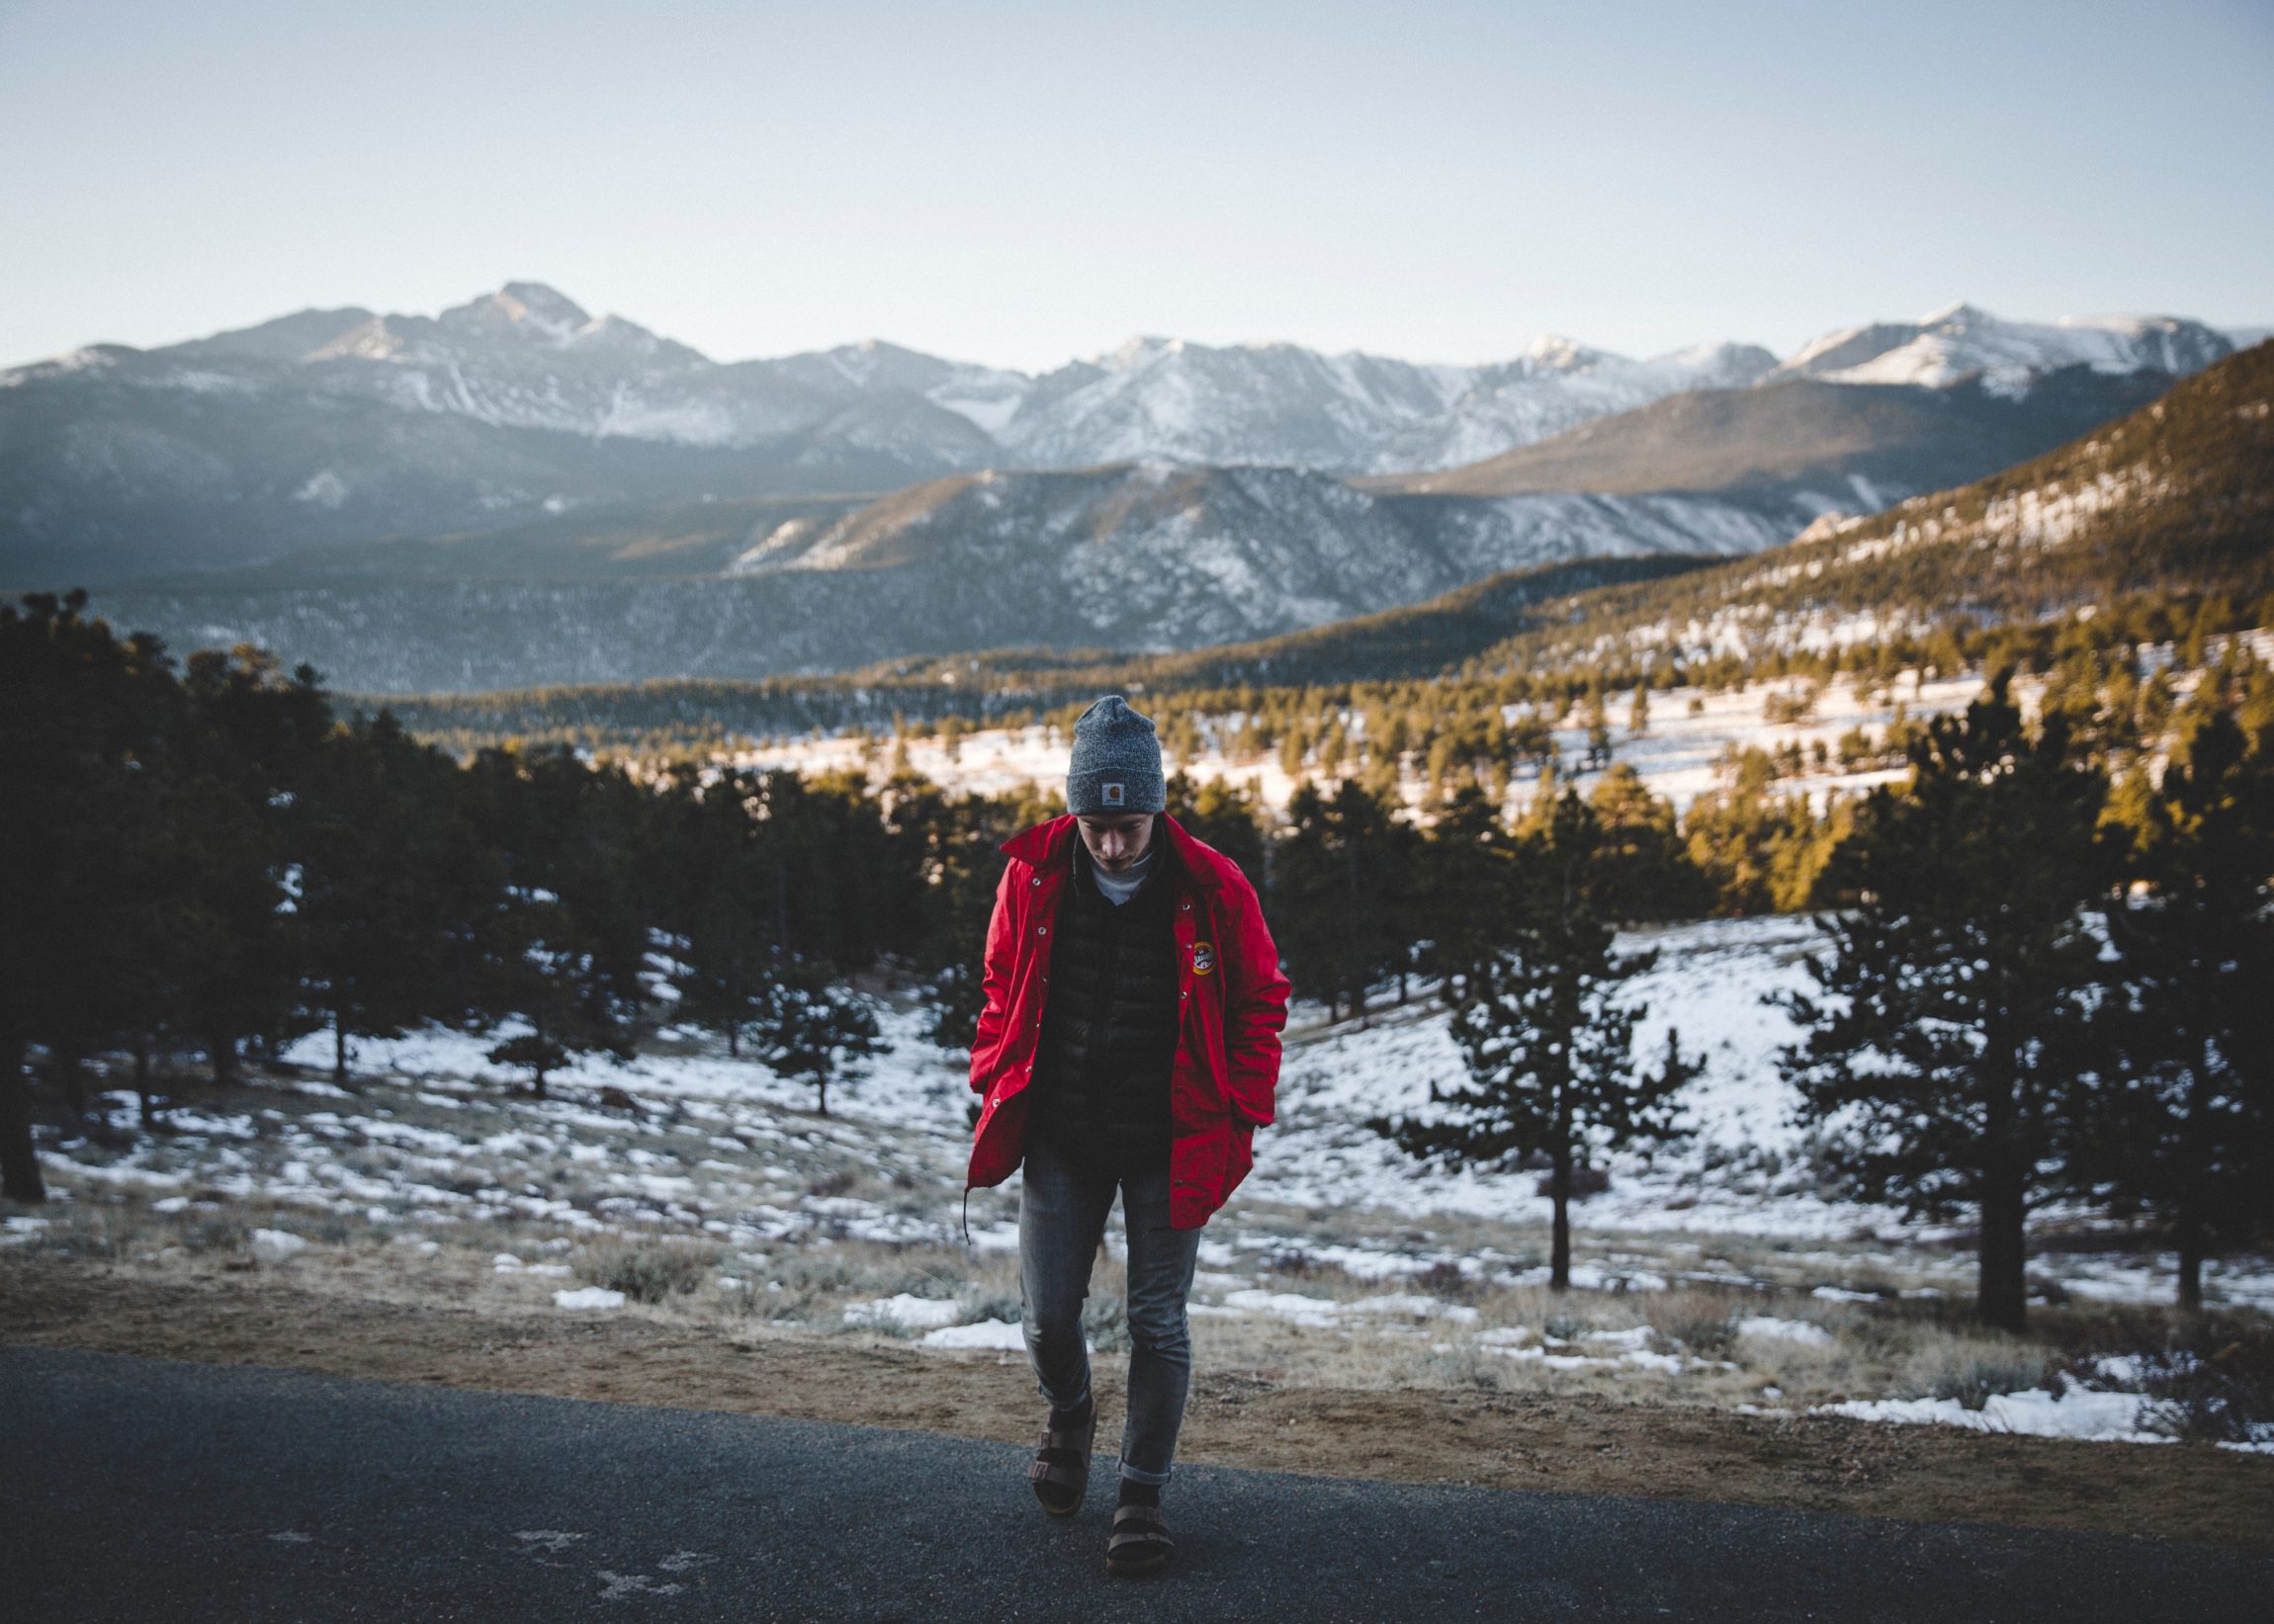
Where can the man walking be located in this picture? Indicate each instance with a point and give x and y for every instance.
(1130, 1041)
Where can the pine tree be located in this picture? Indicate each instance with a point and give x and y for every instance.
(950, 850)
(240, 752)
(712, 894)
(1548, 1038)
(81, 711)
(1464, 886)
(1340, 895)
(1946, 1032)
(1642, 871)
(2183, 1128)
(1222, 814)
(1755, 851)
(391, 885)
(546, 974)
(815, 1028)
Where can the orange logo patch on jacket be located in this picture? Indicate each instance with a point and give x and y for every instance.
(1203, 958)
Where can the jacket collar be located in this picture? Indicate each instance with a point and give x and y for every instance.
(1052, 843)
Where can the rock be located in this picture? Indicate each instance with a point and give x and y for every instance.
(275, 1245)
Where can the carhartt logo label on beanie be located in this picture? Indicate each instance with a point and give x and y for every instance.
(1116, 763)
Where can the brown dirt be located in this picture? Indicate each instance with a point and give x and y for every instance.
(1572, 1444)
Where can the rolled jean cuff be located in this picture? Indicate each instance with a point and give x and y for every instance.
(1137, 1473)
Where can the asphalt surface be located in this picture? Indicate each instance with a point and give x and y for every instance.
(144, 1490)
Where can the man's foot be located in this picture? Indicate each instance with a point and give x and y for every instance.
(1140, 1543)
(1060, 1473)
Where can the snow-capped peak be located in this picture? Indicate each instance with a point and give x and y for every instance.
(1554, 353)
(1963, 341)
(527, 312)
(1725, 366)
(1140, 351)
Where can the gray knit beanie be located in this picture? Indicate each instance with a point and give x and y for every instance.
(1116, 765)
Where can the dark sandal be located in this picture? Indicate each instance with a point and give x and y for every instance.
(1059, 1469)
(1140, 1543)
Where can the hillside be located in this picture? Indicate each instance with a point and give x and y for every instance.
(1142, 557)
(2175, 502)
(1816, 445)
(1416, 641)
(623, 542)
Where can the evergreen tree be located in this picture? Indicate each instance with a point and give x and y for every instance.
(237, 764)
(1547, 1037)
(1946, 1032)
(544, 973)
(953, 845)
(1340, 893)
(391, 887)
(712, 891)
(1642, 872)
(83, 712)
(563, 949)
(816, 1028)
(2184, 1125)
(1755, 851)
(1464, 886)
(1223, 814)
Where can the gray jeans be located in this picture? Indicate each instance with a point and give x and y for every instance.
(1061, 1208)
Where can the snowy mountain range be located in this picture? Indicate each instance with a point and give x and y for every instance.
(2008, 357)
(1147, 555)
(332, 426)
(2173, 497)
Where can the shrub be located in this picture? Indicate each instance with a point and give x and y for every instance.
(1445, 1281)
(1105, 1324)
(1699, 1322)
(646, 1274)
(984, 1305)
(1976, 1380)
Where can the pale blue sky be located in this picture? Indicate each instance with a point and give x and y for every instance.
(1023, 183)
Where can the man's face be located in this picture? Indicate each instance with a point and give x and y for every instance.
(1115, 840)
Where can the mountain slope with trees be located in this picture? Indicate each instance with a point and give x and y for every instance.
(1825, 446)
(2155, 528)
(2172, 506)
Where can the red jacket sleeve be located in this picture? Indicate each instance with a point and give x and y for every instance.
(996, 964)
(1254, 1005)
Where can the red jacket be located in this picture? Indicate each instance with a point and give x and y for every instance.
(1235, 1000)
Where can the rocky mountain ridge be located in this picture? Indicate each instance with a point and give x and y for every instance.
(344, 425)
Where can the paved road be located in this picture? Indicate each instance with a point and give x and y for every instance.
(142, 1490)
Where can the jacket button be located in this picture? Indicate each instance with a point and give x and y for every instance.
(1036, 881)
(1041, 930)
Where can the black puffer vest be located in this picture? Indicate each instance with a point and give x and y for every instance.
(1108, 1035)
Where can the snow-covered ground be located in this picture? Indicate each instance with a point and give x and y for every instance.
(1336, 1234)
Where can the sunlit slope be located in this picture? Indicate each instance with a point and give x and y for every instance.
(2175, 499)
(1851, 447)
